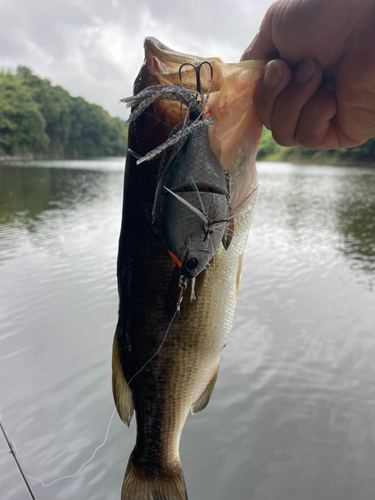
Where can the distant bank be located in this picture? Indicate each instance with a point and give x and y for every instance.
(270, 151)
(39, 120)
(42, 121)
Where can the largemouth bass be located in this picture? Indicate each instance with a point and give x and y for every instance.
(171, 331)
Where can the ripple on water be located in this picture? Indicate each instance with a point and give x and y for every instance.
(292, 413)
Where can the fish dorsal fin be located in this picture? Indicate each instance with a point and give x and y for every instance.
(204, 398)
(121, 391)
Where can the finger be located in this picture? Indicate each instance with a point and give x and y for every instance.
(318, 127)
(275, 78)
(315, 128)
(288, 106)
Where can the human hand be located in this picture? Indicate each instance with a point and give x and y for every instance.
(320, 94)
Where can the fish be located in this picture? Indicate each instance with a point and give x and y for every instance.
(172, 325)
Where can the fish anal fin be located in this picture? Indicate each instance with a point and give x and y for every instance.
(122, 393)
(204, 398)
(168, 484)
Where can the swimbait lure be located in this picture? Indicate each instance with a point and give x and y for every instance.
(191, 206)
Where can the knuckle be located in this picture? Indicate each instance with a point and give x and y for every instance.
(308, 137)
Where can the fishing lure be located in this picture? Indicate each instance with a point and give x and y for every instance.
(191, 206)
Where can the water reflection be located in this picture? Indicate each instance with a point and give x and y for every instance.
(28, 191)
(321, 209)
(58, 305)
(355, 212)
(334, 203)
(41, 204)
(291, 416)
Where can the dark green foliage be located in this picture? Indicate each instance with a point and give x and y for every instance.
(362, 153)
(22, 125)
(37, 118)
(270, 151)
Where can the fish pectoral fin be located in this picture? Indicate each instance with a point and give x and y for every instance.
(122, 393)
(204, 398)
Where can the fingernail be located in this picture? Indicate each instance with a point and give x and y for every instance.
(304, 71)
(272, 75)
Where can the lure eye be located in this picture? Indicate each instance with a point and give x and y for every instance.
(192, 264)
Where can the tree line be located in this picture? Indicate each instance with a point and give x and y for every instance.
(39, 119)
(270, 151)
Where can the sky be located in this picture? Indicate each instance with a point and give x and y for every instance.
(94, 48)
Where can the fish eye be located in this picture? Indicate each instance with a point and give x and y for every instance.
(192, 264)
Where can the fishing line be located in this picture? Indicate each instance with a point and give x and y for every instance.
(47, 485)
(158, 119)
(70, 476)
(234, 213)
(13, 450)
(161, 345)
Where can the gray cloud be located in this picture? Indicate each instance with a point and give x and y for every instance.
(95, 48)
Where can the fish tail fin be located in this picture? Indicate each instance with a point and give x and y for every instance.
(141, 485)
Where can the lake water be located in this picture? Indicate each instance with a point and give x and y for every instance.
(292, 416)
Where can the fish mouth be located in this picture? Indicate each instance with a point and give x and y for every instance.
(165, 63)
(236, 132)
(159, 49)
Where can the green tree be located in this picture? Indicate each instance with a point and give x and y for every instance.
(270, 151)
(39, 118)
(361, 153)
(22, 125)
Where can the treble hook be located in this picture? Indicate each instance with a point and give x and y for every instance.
(197, 69)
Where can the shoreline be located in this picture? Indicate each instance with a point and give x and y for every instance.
(358, 163)
(335, 163)
(10, 158)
